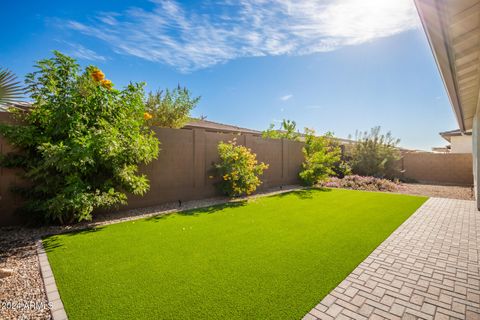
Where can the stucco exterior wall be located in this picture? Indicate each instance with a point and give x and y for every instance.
(475, 158)
(461, 144)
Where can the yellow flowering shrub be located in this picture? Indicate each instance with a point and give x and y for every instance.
(99, 77)
(106, 84)
(238, 169)
(97, 74)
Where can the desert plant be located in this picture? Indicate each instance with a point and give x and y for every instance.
(321, 154)
(81, 143)
(10, 89)
(356, 182)
(287, 130)
(375, 154)
(170, 109)
(238, 169)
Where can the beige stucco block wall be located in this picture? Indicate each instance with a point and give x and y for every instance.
(183, 169)
(438, 168)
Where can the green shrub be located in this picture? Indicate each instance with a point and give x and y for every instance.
(341, 168)
(287, 130)
(170, 109)
(375, 154)
(81, 143)
(322, 155)
(238, 169)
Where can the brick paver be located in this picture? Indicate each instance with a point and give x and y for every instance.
(427, 269)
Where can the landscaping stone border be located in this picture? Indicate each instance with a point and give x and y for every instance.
(53, 297)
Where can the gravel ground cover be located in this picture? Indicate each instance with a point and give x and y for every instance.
(429, 190)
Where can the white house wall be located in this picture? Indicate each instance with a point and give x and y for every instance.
(461, 144)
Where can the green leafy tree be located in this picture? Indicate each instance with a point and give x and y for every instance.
(82, 142)
(321, 154)
(170, 109)
(10, 88)
(375, 154)
(238, 169)
(287, 130)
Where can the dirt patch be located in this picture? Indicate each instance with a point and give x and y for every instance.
(452, 192)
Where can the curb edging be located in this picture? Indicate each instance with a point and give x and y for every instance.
(53, 297)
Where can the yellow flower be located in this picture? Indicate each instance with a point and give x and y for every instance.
(107, 84)
(98, 75)
(147, 116)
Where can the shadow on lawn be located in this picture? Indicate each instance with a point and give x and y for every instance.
(199, 211)
(303, 194)
(52, 242)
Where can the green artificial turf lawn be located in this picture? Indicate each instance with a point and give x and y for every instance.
(274, 257)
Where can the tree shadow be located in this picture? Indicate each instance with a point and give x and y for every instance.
(199, 211)
(52, 242)
(303, 194)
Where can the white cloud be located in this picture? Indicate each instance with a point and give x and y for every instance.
(286, 97)
(78, 51)
(212, 33)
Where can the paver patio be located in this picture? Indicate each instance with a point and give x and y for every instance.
(427, 269)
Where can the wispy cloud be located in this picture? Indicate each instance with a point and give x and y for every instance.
(286, 97)
(78, 51)
(208, 34)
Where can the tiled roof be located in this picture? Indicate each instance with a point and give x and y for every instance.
(220, 127)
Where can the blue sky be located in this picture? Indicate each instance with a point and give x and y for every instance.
(332, 65)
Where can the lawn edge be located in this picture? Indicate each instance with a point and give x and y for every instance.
(57, 310)
(154, 212)
(216, 202)
(310, 315)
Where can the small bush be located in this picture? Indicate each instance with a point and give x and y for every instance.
(170, 108)
(356, 182)
(238, 169)
(375, 154)
(322, 156)
(287, 130)
(342, 169)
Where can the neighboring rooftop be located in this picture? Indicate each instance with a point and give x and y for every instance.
(23, 105)
(218, 127)
(445, 149)
(195, 123)
(447, 135)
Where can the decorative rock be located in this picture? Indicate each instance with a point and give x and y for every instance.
(4, 272)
